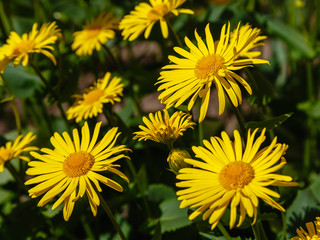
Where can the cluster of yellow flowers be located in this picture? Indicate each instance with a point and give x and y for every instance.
(226, 174)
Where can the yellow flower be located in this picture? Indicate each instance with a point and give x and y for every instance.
(16, 148)
(94, 34)
(18, 49)
(205, 65)
(227, 176)
(313, 231)
(144, 16)
(245, 33)
(72, 166)
(164, 129)
(91, 102)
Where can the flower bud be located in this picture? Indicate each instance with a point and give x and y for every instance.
(176, 160)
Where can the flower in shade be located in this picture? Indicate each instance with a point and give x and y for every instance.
(313, 231)
(164, 129)
(227, 176)
(246, 32)
(16, 149)
(91, 102)
(18, 48)
(72, 167)
(144, 16)
(206, 64)
(94, 34)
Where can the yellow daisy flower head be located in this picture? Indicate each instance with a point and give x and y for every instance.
(94, 34)
(246, 32)
(205, 65)
(72, 166)
(90, 103)
(145, 15)
(313, 231)
(162, 128)
(16, 149)
(18, 48)
(228, 176)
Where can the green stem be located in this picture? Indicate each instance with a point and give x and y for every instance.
(13, 105)
(114, 60)
(284, 225)
(16, 176)
(224, 231)
(4, 22)
(200, 127)
(87, 227)
(176, 37)
(258, 231)
(111, 216)
(50, 89)
(239, 118)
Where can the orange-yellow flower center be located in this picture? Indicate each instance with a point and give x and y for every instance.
(158, 11)
(23, 47)
(92, 96)
(236, 175)
(6, 154)
(78, 164)
(92, 33)
(208, 66)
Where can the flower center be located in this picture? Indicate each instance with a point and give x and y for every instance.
(23, 47)
(208, 66)
(6, 154)
(92, 96)
(78, 164)
(158, 11)
(236, 175)
(92, 33)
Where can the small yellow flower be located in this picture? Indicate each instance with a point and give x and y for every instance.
(164, 129)
(313, 231)
(94, 34)
(227, 176)
(176, 160)
(16, 148)
(91, 102)
(144, 16)
(212, 63)
(72, 166)
(18, 49)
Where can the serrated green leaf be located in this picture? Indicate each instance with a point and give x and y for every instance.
(173, 217)
(268, 124)
(160, 192)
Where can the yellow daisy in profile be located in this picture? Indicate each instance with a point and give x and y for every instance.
(94, 34)
(313, 231)
(228, 176)
(144, 16)
(18, 49)
(205, 65)
(72, 166)
(91, 102)
(16, 149)
(246, 32)
(164, 129)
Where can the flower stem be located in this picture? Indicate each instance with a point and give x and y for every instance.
(16, 176)
(200, 127)
(284, 225)
(13, 105)
(111, 216)
(50, 89)
(176, 37)
(239, 118)
(258, 231)
(224, 231)
(114, 60)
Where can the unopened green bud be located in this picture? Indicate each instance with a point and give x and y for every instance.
(176, 160)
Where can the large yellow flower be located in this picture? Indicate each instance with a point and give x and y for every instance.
(18, 49)
(144, 16)
(91, 102)
(164, 129)
(313, 233)
(205, 65)
(72, 166)
(228, 176)
(16, 149)
(94, 34)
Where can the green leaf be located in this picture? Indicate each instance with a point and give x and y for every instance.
(312, 109)
(172, 216)
(292, 37)
(268, 124)
(160, 192)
